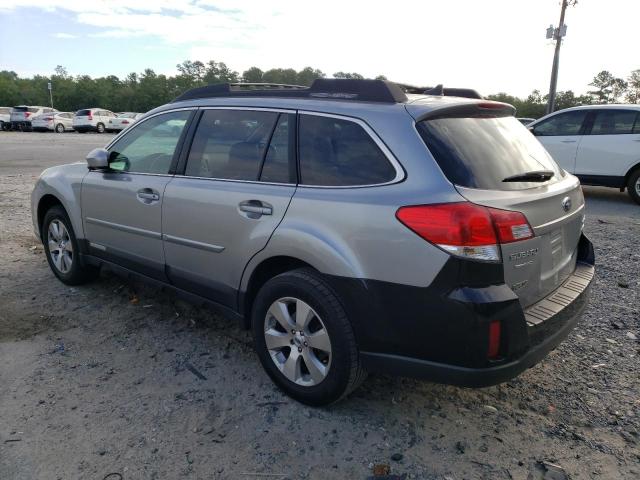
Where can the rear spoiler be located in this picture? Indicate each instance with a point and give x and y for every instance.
(441, 91)
(486, 108)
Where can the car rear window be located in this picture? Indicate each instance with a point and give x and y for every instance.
(20, 109)
(480, 152)
(83, 113)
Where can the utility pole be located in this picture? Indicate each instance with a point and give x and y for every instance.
(557, 35)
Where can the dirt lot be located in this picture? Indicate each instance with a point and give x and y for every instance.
(117, 377)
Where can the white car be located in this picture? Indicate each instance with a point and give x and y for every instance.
(22, 115)
(92, 119)
(123, 120)
(5, 118)
(58, 122)
(600, 144)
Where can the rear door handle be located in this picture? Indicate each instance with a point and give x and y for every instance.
(255, 207)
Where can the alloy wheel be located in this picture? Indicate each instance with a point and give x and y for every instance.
(60, 246)
(297, 341)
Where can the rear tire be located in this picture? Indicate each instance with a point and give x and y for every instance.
(322, 371)
(61, 248)
(633, 186)
(100, 128)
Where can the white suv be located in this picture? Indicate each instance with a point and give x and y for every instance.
(92, 119)
(22, 115)
(600, 144)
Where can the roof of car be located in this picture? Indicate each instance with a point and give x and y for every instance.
(339, 96)
(605, 106)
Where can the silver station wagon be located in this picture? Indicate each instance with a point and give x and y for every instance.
(354, 226)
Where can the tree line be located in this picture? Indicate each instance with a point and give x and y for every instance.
(140, 92)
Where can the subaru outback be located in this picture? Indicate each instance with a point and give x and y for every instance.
(352, 226)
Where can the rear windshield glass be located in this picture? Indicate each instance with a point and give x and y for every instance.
(83, 113)
(20, 109)
(479, 152)
(127, 115)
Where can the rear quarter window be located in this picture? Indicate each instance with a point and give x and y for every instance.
(480, 152)
(339, 152)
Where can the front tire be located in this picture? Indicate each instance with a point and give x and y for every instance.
(61, 248)
(59, 128)
(304, 339)
(633, 186)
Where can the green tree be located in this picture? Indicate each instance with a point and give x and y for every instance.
(608, 89)
(307, 75)
(633, 87)
(352, 75)
(253, 75)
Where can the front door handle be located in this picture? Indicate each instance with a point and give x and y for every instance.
(255, 208)
(147, 196)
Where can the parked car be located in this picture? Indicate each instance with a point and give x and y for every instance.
(5, 118)
(526, 121)
(123, 120)
(22, 115)
(600, 144)
(345, 241)
(92, 119)
(58, 122)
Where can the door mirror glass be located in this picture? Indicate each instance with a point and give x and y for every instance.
(98, 158)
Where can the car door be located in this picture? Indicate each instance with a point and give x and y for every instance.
(561, 135)
(122, 206)
(238, 180)
(612, 145)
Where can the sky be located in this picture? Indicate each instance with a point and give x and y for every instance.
(490, 45)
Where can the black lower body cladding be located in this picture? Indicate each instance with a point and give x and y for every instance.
(441, 332)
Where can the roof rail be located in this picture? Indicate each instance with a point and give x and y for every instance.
(440, 90)
(335, 89)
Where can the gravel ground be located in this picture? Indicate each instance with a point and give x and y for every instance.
(118, 377)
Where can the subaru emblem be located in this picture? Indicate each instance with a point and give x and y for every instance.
(566, 204)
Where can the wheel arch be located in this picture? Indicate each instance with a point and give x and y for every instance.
(45, 203)
(259, 275)
(630, 172)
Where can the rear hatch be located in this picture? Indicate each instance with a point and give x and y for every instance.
(83, 117)
(494, 161)
(22, 114)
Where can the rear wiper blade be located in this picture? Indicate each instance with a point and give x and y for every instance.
(535, 176)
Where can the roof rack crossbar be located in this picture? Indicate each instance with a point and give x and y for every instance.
(440, 90)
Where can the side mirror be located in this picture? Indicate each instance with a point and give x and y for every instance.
(97, 159)
(532, 130)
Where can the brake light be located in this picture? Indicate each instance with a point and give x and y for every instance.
(466, 229)
(494, 339)
(90, 116)
(125, 122)
(27, 114)
(48, 119)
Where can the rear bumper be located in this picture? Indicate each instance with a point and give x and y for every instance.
(441, 332)
(551, 334)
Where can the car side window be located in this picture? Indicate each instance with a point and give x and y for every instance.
(230, 144)
(149, 146)
(636, 125)
(338, 152)
(569, 123)
(276, 166)
(613, 122)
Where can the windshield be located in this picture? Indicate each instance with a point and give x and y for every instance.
(479, 152)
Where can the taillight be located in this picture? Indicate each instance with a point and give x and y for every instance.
(125, 122)
(466, 229)
(27, 114)
(90, 117)
(48, 119)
